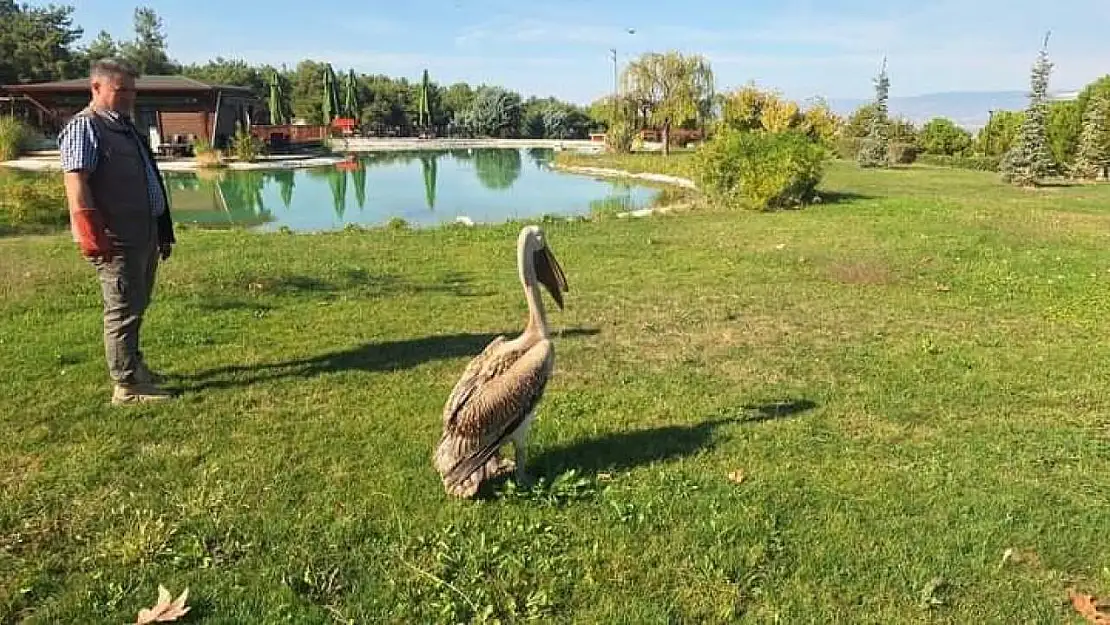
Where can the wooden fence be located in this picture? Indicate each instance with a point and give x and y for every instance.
(290, 134)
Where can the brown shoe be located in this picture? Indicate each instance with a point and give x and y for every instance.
(138, 393)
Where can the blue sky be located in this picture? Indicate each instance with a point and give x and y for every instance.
(799, 47)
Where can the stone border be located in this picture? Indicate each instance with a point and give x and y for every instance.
(367, 144)
(51, 163)
(606, 172)
(620, 173)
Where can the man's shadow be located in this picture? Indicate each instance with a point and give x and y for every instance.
(383, 356)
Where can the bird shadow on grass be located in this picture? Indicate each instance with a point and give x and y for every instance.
(620, 451)
(383, 356)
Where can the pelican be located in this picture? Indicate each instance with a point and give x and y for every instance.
(494, 402)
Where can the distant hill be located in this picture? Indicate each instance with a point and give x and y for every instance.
(970, 109)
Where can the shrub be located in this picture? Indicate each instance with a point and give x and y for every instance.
(760, 170)
(903, 153)
(847, 148)
(205, 156)
(13, 138)
(246, 146)
(977, 162)
(29, 202)
(620, 136)
(873, 152)
(942, 136)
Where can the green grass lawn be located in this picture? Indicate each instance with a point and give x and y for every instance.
(911, 377)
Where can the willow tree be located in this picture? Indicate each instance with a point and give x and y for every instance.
(671, 88)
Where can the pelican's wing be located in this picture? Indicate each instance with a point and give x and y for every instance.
(500, 394)
(475, 370)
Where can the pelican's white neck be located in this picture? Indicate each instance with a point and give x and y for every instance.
(537, 315)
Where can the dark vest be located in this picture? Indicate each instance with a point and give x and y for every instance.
(119, 186)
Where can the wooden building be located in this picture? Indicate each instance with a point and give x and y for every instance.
(173, 109)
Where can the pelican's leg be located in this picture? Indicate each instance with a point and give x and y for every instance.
(519, 439)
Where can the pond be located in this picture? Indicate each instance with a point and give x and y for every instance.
(424, 188)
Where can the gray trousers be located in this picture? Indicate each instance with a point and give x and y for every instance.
(127, 285)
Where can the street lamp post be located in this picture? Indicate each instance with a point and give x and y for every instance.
(616, 80)
(616, 88)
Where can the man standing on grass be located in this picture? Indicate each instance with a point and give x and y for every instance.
(119, 213)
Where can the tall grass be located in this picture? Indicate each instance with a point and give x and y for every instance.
(31, 203)
(13, 138)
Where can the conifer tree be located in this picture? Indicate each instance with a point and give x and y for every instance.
(874, 149)
(1093, 158)
(1030, 159)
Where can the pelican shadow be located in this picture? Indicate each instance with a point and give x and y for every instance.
(383, 356)
(620, 451)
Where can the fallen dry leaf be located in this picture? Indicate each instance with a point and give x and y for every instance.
(1088, 608)
(943, 288)
(165, 610)
(737, 476)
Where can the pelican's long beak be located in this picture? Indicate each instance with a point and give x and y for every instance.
(550, 274)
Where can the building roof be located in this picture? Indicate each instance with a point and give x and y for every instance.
(146, 83)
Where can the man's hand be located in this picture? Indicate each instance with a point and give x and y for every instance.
(91, 236)
(86, 221)
(165, 249)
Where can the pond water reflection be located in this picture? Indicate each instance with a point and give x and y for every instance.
(422, 187)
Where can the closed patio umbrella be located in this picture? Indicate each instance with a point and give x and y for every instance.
(330, 107)
(424, 111)
(350, 96)
(278, 107)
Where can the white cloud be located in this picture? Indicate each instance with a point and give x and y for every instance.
(512, 31)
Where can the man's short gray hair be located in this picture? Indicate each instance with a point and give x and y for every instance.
(112, 68)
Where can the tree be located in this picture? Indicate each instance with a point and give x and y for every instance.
(1064, 124)
(743, 108)
(1101, 85)
(548, 118)
(672, 88)
(942, 136)
(308, 91)
(1093, 157)
(36, 43)
(236, 72)
(858, 123)
(147, 52)
(1030, 160)
(495, 112)
(388, 102)
(820, 122)
(874, 150)
(1000, 133)
(607, 111)
(532, 126)
(456, 99)
(102, 47)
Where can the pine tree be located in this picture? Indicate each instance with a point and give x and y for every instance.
(1093, 158)
(147, 52)
(102, 47)
(1030, 159)
(874, 149)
